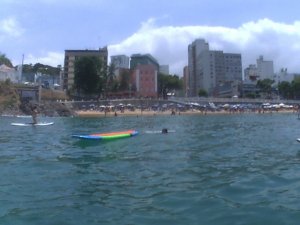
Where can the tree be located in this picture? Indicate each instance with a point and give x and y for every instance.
(167, 83)
(107, 78)
(87, 74)
(4, 60)
(265, 85)
(111, 73)
(124, 81)
(202, 93)
(45, 69)
(296, 87)
(285, 89)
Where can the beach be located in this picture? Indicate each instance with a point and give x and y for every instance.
(95, 113)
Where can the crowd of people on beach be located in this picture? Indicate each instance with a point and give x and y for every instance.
(86, 109)
(179, 109)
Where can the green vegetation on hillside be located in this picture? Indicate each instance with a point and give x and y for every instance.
(41, 68)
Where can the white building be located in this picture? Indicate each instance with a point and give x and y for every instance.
(9, 73)
(212, 71)
(262, 70)
(283, 75)
(195, 50)
(265, 69)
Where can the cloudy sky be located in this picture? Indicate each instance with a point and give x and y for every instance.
(43, 29)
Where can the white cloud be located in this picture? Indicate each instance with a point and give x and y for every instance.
(275, 41)
(50, 58)
(10, 27)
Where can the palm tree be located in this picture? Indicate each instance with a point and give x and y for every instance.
(107, 76)
(110, 74)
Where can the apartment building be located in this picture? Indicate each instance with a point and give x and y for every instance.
(212, 71)
(145, 80)
(195, 50)
(72, 55)
(265, 69)
(120, 61)
(143, 59)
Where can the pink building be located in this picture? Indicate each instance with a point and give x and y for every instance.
(145, 80)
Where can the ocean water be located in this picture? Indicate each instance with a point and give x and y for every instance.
(230, 169)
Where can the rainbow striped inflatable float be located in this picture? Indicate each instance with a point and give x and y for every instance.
(107, 136)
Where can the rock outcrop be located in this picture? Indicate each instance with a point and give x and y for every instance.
(47, 108)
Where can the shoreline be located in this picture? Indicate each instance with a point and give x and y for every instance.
(169, 112)
(137, 113)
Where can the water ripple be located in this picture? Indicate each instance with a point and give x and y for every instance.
(235, 169)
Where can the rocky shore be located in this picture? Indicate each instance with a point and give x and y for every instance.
(46, 108)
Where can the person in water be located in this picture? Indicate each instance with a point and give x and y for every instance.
(34, 113)
(164, 131)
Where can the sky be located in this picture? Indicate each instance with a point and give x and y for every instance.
(41, 30)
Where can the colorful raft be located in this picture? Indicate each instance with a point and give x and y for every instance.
(108, 136)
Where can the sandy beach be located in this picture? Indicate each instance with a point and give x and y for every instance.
(94, 113)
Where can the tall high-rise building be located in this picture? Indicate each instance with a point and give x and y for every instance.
(195, 50)
(72, 55)
(233, 67)
(211, 70)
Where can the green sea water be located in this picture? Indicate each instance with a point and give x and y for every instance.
(230, 169)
